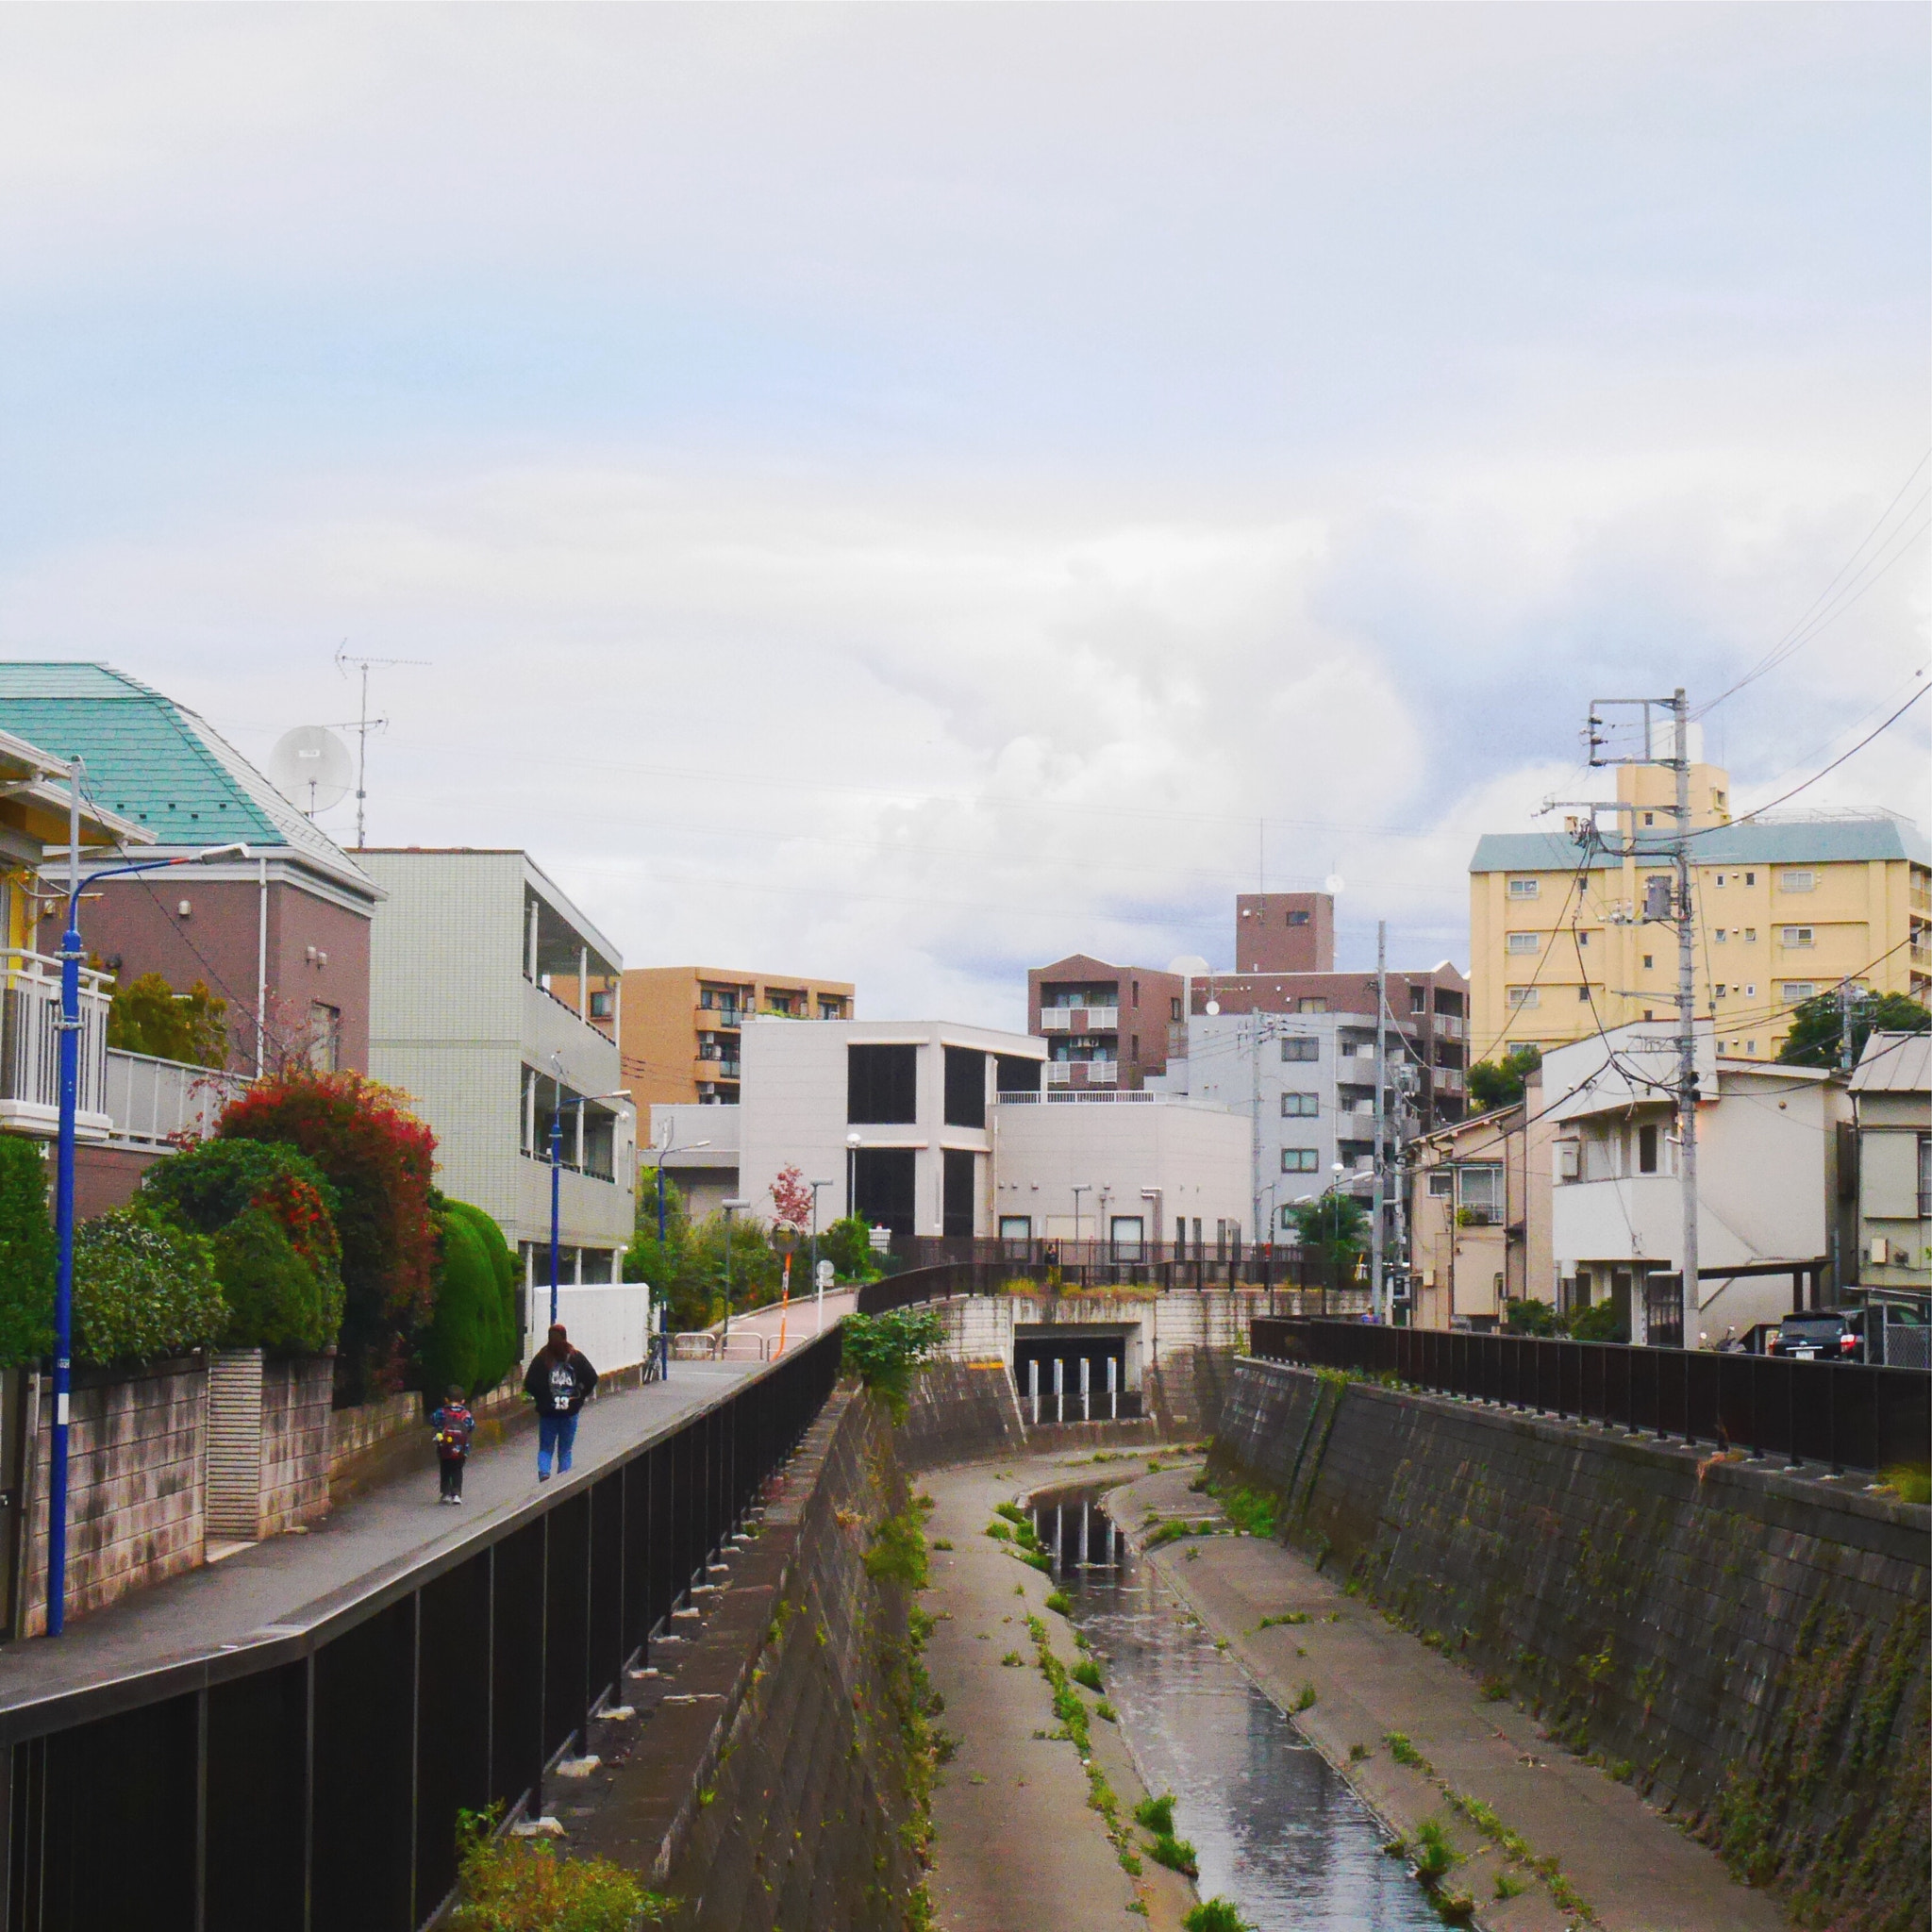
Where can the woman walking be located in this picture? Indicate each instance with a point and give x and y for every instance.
(557, 1381)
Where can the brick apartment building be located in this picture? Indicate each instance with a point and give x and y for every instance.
(1105, 1025)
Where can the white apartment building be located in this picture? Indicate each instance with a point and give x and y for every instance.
(1304, 1085)
(462, 1018)
(895, 1115)
(1767, 1179)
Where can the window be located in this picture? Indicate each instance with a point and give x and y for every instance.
(1173, 1011)
(1521, 996)
(1297, 919)
(1303, 1047)
(1717, 992)
(882, 1083)
(1646, 1150)
(1300, 1106)
(1135, 985)
(1750, 992)
(1720, 935)
(1750, 878)
(1524, 941)
(1797, 881)
(831, 1009)
(1479, 1193)
(1524, 888)
(1720, 880)
(1750, 935)
(1441, 1183)
(1649, 962)
(325, 1036)
(1312, 1006)
(601, 1004)
(1016, 1227)
(1795, 989)
(1583, 938)
(1794, 936)
(1300, 1159)
(1418, 999)
(965, 1088)
(1134, 1047)
(1583, 992)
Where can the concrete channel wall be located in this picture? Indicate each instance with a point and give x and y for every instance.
(780, 1785)
(1748, 1646)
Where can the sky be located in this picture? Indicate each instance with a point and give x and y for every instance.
(904, 493)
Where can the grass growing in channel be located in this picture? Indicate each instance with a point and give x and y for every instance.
(1216, 1915)
(520, 1885)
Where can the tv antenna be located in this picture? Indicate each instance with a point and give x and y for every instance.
(364, 724)
(310, 768)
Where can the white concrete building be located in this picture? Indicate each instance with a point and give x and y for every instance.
(893, 1114)
(1892, 1092)
(462, 1018)
(1767, 1178)
(1131, 1168)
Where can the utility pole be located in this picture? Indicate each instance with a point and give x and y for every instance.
(1378, 1300)
(1648, 725)
(1255, 1121)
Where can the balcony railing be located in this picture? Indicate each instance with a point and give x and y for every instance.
(156, 1102)
(1056, 1019)
(1079, 1019)
(30, 1049)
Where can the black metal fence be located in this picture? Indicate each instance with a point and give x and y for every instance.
(311, 1782)
(980, 1273)
(1842, 1414)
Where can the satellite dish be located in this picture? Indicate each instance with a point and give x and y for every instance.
(310, 768)
(1332, 883)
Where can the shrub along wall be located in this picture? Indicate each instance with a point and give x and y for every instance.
(1748, 1647)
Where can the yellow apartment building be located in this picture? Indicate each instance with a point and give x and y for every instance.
(1784, 908)
(679, 1028)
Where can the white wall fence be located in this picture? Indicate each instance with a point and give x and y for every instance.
(609, 1320)
(156, 1103)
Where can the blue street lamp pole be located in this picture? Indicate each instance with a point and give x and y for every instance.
(556, 1198)
(69, 1028)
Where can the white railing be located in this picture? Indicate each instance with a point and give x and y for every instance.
(30, 1049)
(1060, 1073)
(156, 1102)
(1056, 1019)
(1103, 1020)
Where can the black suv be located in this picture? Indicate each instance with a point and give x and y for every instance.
(1822, 1335)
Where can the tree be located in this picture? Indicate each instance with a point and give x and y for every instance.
(471, 1340)
(847, 1244)
(1493, 1084)
(1816, 1038)
(277, 1299)
(1333, 1229)
(381, 1160)
(1531, 1318)
(27, 1257)
(792, 1199)
(148, 1016)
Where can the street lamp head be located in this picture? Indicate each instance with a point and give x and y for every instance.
(734, 1206)
(238, 850)
(852, 1140)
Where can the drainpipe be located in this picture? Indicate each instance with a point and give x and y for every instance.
(261, 972)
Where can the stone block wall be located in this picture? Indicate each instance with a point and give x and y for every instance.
(960, 1412)
(136, 1450)
(295, 1416)
(781, 1788)
(1747, 1646)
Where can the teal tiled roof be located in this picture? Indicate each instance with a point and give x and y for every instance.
(1819, 841)
(158, 763)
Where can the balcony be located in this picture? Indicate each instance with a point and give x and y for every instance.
(159, 1104)
(708, 1067)
(1448, 1026)
(30, 1050)
(709, 1017)
(1056, 1019)
(1079, 1019)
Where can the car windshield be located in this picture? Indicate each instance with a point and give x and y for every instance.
(1810, 1328)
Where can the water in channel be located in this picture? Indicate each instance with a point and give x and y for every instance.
(1273, 1827)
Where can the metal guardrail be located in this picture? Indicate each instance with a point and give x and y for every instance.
(942, 1280)
(1843, 1414)
(311, 1782)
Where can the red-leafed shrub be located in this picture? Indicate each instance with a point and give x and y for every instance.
(381, 1161)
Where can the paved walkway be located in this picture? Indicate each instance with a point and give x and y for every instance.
(280, 1580)
(1626, 1862)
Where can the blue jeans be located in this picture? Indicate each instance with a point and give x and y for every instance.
(556, 1434)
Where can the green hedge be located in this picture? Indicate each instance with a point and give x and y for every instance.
(27, 1257)
(144, 1290)
(471, 1340)
(275, 1300)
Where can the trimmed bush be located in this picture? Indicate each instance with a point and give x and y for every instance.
(144, 1290)
(27, 1257)
(505, 1265)
(469, 1341)
(275, 1300)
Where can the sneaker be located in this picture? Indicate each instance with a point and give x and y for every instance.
(542, 1475)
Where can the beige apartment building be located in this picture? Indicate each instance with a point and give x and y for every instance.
(680, 1027)
(1785, 907)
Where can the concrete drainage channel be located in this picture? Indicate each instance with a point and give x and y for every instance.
(1272, 1825)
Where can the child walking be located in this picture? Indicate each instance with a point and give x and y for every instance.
(453, 1425)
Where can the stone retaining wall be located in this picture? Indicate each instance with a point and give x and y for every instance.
(778, 1787)
(295, 1418)
(1748, 1647)
(136, 1444)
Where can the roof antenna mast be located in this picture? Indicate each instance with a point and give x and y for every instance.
(364, 724)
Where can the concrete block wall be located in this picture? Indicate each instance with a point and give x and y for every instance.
(136, 1451)
(1749, 1648)
(962, 1411)
(295, 1416)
